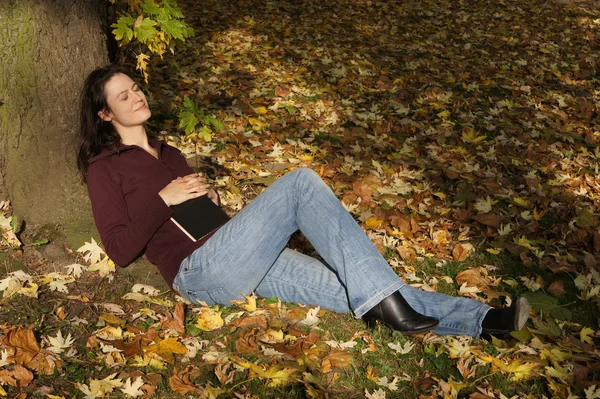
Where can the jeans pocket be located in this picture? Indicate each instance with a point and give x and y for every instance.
(212, 297)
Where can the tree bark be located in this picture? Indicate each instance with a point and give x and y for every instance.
(47, 49)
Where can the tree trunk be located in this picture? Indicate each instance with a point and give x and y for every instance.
(47, 49)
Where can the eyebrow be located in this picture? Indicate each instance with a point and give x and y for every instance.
(119, 95)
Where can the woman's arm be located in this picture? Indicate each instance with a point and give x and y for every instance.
(124, 239)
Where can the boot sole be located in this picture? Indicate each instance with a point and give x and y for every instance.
(373, 322)
(521, 317)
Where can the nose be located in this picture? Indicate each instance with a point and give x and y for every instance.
(137, 97)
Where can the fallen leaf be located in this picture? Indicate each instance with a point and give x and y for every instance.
(167, 348)
(557, 288)
(133, 389)
(461, 251)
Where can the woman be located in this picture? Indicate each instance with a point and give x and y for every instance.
(134, 181)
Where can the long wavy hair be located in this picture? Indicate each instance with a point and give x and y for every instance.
(95, 134)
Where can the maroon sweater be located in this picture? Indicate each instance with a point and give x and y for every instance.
(131, 217)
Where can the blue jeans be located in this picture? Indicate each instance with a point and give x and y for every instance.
(249, 254)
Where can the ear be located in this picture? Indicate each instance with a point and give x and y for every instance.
(105, 115)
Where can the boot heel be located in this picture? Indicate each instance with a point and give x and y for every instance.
(371, 322)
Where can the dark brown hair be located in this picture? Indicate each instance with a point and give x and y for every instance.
(95, 134)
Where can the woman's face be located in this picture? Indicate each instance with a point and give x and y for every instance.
(127, 103)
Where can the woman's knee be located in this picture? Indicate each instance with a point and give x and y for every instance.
(306, 174)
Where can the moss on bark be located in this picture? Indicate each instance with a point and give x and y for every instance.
(48, 49)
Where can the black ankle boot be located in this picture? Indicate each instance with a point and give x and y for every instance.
(500, 322)
(398, 315)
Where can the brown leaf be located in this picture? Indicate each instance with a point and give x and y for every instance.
(22, 344)
(180, 382)
(336, 359)
(479, 395)
(259, 321)
(130, 348)
(590, 260)
(22, 375)
(402, 223)
(365, 187)
(461, 251)
(557, 288)
(424, 383)
(473, 278)
(176, 323)
(596, 241)
(248, 342)
(223, 374)
(414, 225)
(45, 362)
(464, 215)
(406, 253)
(563, 267)
(489, 219)
(19, 376)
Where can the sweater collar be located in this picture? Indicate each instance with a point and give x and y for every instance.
(118, 148)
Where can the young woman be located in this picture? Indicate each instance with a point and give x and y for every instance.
(135, 181)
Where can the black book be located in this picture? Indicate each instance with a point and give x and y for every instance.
(198, 217)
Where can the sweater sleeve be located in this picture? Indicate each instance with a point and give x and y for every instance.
(124, 239)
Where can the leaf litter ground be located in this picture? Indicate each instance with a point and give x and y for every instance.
(463, 136)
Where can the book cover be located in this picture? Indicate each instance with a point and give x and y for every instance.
(198, 217)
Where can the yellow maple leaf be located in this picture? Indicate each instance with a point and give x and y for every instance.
(249, 305)
(524, 242)
(104, 267)
(142, 65)
(451, 388)
(261, 110)
(212, 393)
(373, 223)
(469, 135)
(209, 320)
(148, 361)
(110, 333)
(371, 373)
(458, 347)
(557, 372)
(166, 348)
(554, 354)
(444, 114)
(521, 202)
(257, 124)
(160, 301)
(519, 368)
(584, 335)
(277, 374)
(494, 251)
(31, 290)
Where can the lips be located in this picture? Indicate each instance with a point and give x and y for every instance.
(144, 106)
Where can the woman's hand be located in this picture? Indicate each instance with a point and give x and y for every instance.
(185, 188)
